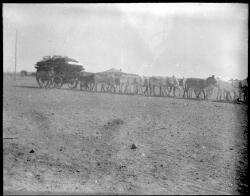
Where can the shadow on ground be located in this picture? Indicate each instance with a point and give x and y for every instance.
(24, 86)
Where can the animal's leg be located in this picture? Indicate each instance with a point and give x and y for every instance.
(90, 86)
(226, 97)
(163, 91)
(109, 88)
(229, 96)
(153, 90)
(204, 94)
(184, 91)
(217, 96)
(170, 91)
(150, 90)
(146, 90)
(121, 87)
(96, 87)
(189, 92)
(102, 88)
(179, 89)
(136, 89)
(197, 93)
(141, 90)
(81, 86)
(126, 89)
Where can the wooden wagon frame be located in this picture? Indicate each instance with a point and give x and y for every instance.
(54, 72)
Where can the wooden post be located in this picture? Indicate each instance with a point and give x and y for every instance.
(15, 53)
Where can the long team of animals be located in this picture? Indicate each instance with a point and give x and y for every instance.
(135, 84)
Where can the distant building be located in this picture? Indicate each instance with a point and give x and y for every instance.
(117, 72)
(113, 70)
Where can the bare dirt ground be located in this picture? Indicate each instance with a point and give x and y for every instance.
(61, 141)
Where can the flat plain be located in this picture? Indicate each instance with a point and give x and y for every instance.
(62, 141)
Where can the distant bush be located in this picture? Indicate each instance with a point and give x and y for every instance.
(23, 73)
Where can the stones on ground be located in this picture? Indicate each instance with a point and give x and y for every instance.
(113, 123)
(32, 151)
(122, 166)
(133, 147)
(62, 148)
(20, 154)
(38, 177)
(164, 178)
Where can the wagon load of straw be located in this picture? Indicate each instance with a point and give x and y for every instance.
(58, 64)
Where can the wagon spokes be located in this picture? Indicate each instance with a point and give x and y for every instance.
(43, 79)
(57, 82)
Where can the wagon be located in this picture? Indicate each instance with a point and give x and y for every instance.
(54, 72)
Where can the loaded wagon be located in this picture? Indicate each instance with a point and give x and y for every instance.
(54, 72)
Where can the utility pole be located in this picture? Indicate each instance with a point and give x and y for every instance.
(15, 53)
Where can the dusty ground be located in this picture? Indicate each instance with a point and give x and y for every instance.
(68, 141)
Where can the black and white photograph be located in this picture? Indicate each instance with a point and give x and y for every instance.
(125, 98)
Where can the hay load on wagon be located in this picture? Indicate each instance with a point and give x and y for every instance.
(54, 71)
(59, 64)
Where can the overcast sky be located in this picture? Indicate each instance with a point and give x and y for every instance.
(184, 39)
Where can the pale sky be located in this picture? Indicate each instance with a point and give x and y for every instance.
(181, 39)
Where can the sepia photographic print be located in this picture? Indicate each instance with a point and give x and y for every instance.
(125, 98)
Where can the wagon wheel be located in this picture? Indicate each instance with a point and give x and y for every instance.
(42, 79)
(83, 85)
(57, 82)
(72, 83)
(50, 83)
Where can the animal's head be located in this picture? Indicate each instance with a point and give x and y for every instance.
(211, 80)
